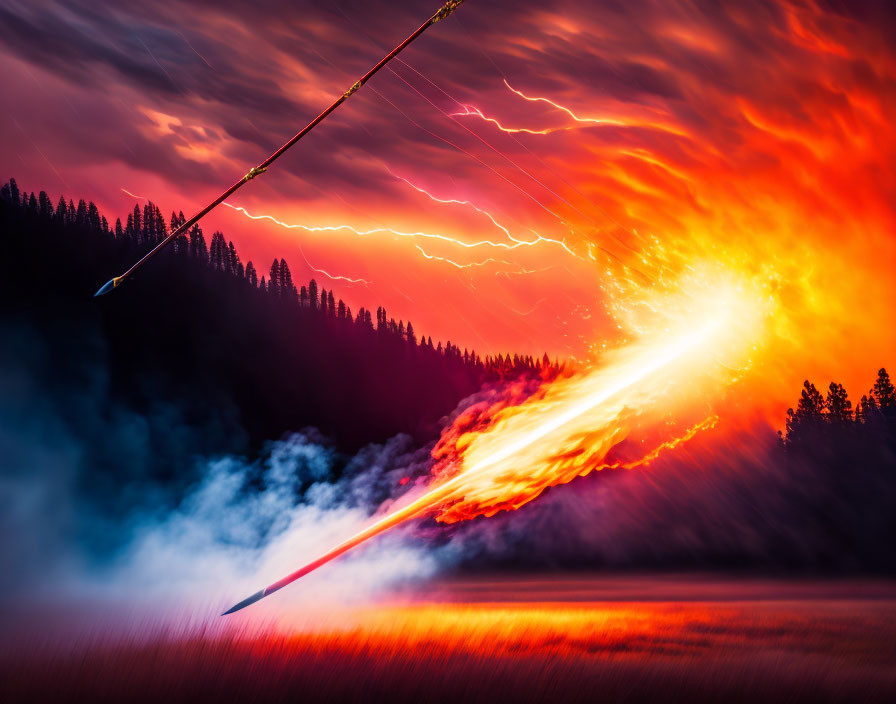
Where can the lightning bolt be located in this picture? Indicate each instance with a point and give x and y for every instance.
(334, 277)
(458, 265)
(473, 111)
(470, 110)
(376, 230)
(538, 99)
(517, 242)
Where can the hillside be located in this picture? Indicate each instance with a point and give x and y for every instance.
(199, 354)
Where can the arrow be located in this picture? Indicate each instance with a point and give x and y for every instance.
(255, 171)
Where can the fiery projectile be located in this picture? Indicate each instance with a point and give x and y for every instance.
(564, 432)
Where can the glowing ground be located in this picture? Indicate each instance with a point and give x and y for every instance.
(595, 639)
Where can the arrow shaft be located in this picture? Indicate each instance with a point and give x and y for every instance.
(416, 508)
(440, 14)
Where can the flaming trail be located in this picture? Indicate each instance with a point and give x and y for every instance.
(132, 195)
(538, 444)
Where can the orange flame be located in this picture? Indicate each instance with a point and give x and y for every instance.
(566, 429)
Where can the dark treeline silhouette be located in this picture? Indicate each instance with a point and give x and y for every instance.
(825, 424)
(818, 499)
(203, 353)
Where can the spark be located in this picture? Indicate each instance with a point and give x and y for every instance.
(706, 424)
(133, 195)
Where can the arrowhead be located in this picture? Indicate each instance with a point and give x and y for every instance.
(108, 286)
(248, 601)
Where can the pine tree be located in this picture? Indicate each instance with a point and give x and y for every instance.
(312, 293)
(868, 408)
(218, 254)
(331, 304)
(14, 194)
(137, 223)
(197, 244)
(287, 287)
(62, 210)
(45, 206)
(838, 405)
(251, 274)
(236, 266)
(809, 412)
(81, 213)
(274, 280)
(884, 393)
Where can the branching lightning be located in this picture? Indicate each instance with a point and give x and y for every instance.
(517, 242)
(587, 120)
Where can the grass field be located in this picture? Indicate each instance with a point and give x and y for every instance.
(508, 640)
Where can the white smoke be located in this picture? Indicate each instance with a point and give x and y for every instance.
(243, 526)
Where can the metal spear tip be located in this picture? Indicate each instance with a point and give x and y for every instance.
(108, 286)
(248, 601)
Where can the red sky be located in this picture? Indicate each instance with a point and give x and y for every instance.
(755, 135)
